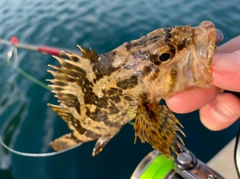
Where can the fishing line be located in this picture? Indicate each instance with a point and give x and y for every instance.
(131, 123)
(35, 154)
(36, 81)
(23, 73)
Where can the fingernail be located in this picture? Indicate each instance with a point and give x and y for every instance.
(227, 62)
(223, 113)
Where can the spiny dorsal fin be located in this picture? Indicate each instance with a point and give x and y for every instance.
(73, 81)
(73, 57)
(61, 111)
(92, 55)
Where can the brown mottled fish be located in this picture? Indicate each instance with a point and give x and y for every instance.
(98, 94)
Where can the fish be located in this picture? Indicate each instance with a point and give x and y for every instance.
(99, 94)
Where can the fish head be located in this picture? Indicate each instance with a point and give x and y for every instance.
(180, 60)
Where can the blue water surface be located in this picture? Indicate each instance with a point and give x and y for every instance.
(29, 125)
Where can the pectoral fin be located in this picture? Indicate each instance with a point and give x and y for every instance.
(158, 126)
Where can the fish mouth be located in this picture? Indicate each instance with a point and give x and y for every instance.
(206, 37)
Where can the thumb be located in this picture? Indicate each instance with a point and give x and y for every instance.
(221, 112)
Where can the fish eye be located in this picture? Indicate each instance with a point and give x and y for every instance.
(158, 59)
(164, 57)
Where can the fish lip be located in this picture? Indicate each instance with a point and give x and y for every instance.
(206, 38)
(219, 36)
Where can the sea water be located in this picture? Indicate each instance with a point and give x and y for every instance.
(29, 125)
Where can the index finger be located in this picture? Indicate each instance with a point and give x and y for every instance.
(226, 71)
(230, 46)
(191, 100)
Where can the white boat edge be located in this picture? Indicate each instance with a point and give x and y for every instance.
(223, 161)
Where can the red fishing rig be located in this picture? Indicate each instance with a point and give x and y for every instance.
(14, 44)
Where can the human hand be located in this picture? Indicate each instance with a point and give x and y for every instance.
(217, 110)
